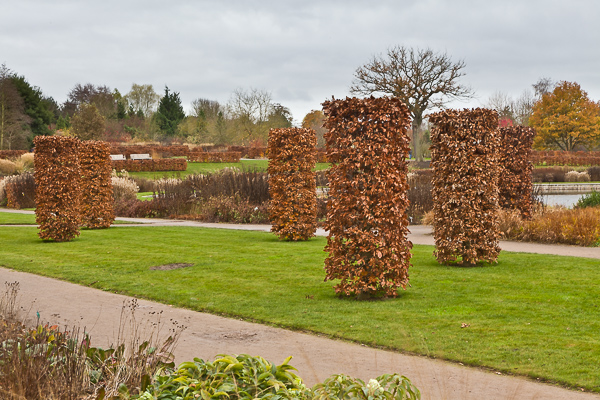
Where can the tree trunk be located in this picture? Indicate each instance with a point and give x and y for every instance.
(416, 133)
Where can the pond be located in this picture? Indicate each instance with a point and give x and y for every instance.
(566, 200)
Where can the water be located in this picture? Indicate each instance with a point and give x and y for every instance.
(566, 200)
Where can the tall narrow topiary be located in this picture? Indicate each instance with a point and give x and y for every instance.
(367, 145)
(465, 154)
(292, 184)
(57, 192)
(515, 182)
(96, 185)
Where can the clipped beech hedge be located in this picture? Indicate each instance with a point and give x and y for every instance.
(292, 183)
(96, 186)
(165, 151)
(57, 194)
(515, 181)
(165, 164)
(11, 153)
(464, 153)
(367, 145)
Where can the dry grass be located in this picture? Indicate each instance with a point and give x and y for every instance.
(579, 227)
(7, 167)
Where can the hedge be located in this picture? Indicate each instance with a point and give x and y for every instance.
(96, 186)
(57, 194)
(367, 144)
(464, 154)
(292, 183)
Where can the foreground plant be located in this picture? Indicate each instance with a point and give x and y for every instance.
(248, 377)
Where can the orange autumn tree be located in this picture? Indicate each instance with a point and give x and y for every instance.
(565, 118)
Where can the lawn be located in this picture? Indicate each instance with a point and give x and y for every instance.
(28, 219)
(203, 168)
(533, 315)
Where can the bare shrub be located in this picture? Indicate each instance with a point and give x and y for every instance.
(419, 195)
(174, 195)
(144, 184)
(232, 209)
(550, 174)
(19, 191)
(594, 173)
(251, 185)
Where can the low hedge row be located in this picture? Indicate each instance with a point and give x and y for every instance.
(11, 153)
(166, 151)
(574, 158)
(166, 164)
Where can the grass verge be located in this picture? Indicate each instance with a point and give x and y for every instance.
(533, 315)
(204, 168)
(9, 218)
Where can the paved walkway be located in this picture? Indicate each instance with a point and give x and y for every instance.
(315, 357)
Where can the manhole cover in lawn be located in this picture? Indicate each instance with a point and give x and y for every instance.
(168, 267)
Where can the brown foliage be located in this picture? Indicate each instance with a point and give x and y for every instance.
(165, 164)
(57, 196)
(292, 185)
(560, 157)
(464, 155)
(96, 187)
(5, 154)
(514, 182)
(164, 151)
(367, 144)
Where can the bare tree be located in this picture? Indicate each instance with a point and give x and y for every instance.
(543, 86)
(422, 79)
(101, 96)
(142, 98)
(209, 108)
(251, 110)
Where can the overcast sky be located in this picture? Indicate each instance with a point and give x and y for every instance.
(303, 52)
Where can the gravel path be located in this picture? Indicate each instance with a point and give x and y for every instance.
(315, 357)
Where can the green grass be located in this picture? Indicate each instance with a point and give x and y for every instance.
(7, 218)
(533, 315)
(203, 168)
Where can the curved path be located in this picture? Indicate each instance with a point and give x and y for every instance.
(315, 357)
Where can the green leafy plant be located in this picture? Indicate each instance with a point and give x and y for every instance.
(231, 377)
(248, 377)
(589, 200)
(385, 387)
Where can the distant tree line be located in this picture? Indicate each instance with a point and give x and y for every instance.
(101, 113)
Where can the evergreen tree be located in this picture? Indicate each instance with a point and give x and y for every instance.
(170, 113)
(38, 107)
